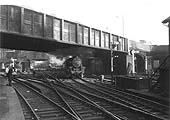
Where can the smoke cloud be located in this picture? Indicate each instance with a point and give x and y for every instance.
(55, 60)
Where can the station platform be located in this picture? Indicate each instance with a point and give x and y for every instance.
(10, 108)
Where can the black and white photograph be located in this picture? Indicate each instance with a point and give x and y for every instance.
(84, 60)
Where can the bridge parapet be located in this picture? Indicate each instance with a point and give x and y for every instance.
(21, 21)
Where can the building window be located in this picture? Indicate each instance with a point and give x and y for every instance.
(120, 43)
(126, 44)
(69, 32)
(80, 34)
(3, 17)
(115, 42)
(72, 32)
(97, 38)
(86, 36)
(107, 40)
(103, 40)
(27, 22)
(66, 29)
(57, 28)
(14, 19)
(92, 37)
(37, 24)
(49, 25)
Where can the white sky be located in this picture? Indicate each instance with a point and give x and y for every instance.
(142, 19)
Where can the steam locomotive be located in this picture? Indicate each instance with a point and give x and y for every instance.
(73, 67)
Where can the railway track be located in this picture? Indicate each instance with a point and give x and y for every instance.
(142, 103)
(151, 107)
(42, 107)
(122, 108)
(110, 86)
(122, 111)
(28, 112)
(82, 109)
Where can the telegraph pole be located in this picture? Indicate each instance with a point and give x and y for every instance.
(167, 21)
(111, 60)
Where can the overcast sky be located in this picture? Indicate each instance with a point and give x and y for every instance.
(135, 19)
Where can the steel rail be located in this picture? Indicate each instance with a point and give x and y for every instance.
(51, 101)
(115, 117)
(139, 110)
(107, 90)
(64, 92)
(68, 105)
(29, 106)
(50, 86)
(123, 93)
(114, 102)
(107, 93)
(94, 104)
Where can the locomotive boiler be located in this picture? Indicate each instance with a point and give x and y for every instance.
(73, 67)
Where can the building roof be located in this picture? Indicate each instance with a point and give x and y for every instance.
(166, 20)
(160, 48)
(140, 46)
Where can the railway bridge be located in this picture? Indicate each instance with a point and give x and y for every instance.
(26, 29)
